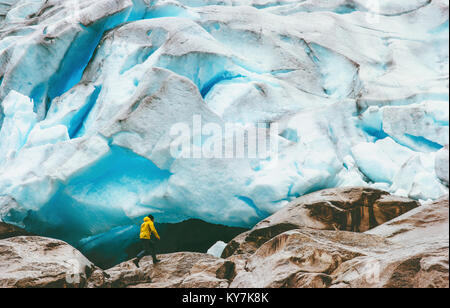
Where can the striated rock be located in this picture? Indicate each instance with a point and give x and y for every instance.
(240, 246)
(418, 225)
(418, 257)
(355, 209)
(398, 269)
(409, 251)
(304, 258)
(37, 262)
(177, 270)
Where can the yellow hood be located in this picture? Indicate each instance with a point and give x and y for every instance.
(147, 229)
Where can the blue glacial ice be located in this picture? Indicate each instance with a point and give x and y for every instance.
(89, 95)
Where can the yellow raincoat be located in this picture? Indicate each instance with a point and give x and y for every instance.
(147, 228)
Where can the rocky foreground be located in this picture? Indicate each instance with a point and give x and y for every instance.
(338, 238)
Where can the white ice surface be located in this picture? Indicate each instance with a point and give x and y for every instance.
(217, 249)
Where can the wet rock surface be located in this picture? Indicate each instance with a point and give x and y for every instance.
(421, 258)
(177, 270)
(37, 262)
(301, 258)
(408, 251)
(411, 250)
(349, 209)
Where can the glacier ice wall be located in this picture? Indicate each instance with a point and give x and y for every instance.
(90, 90)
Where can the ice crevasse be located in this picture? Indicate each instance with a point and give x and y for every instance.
(90, 90)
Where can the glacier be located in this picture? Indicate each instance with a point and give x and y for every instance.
(90, 91)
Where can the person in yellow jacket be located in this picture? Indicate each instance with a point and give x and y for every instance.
(148, 245)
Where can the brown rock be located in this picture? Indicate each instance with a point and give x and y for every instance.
(355, 209)
(7, 231)
(177, 270)
(399, 269)
(37, 262)
(309, 280)
(304, 258)
(419, 256)
(418, 226)
(411, 250)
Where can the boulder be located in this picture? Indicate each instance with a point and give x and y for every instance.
(37, 262)
(355, 209)
(419, 226)
(418, 257)
(398, 269)
(304, 258)
(409, 251)
(176, 270)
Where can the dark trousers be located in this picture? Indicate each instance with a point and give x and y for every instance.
(148, 248)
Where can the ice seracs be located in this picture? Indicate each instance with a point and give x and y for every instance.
(18, 121)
